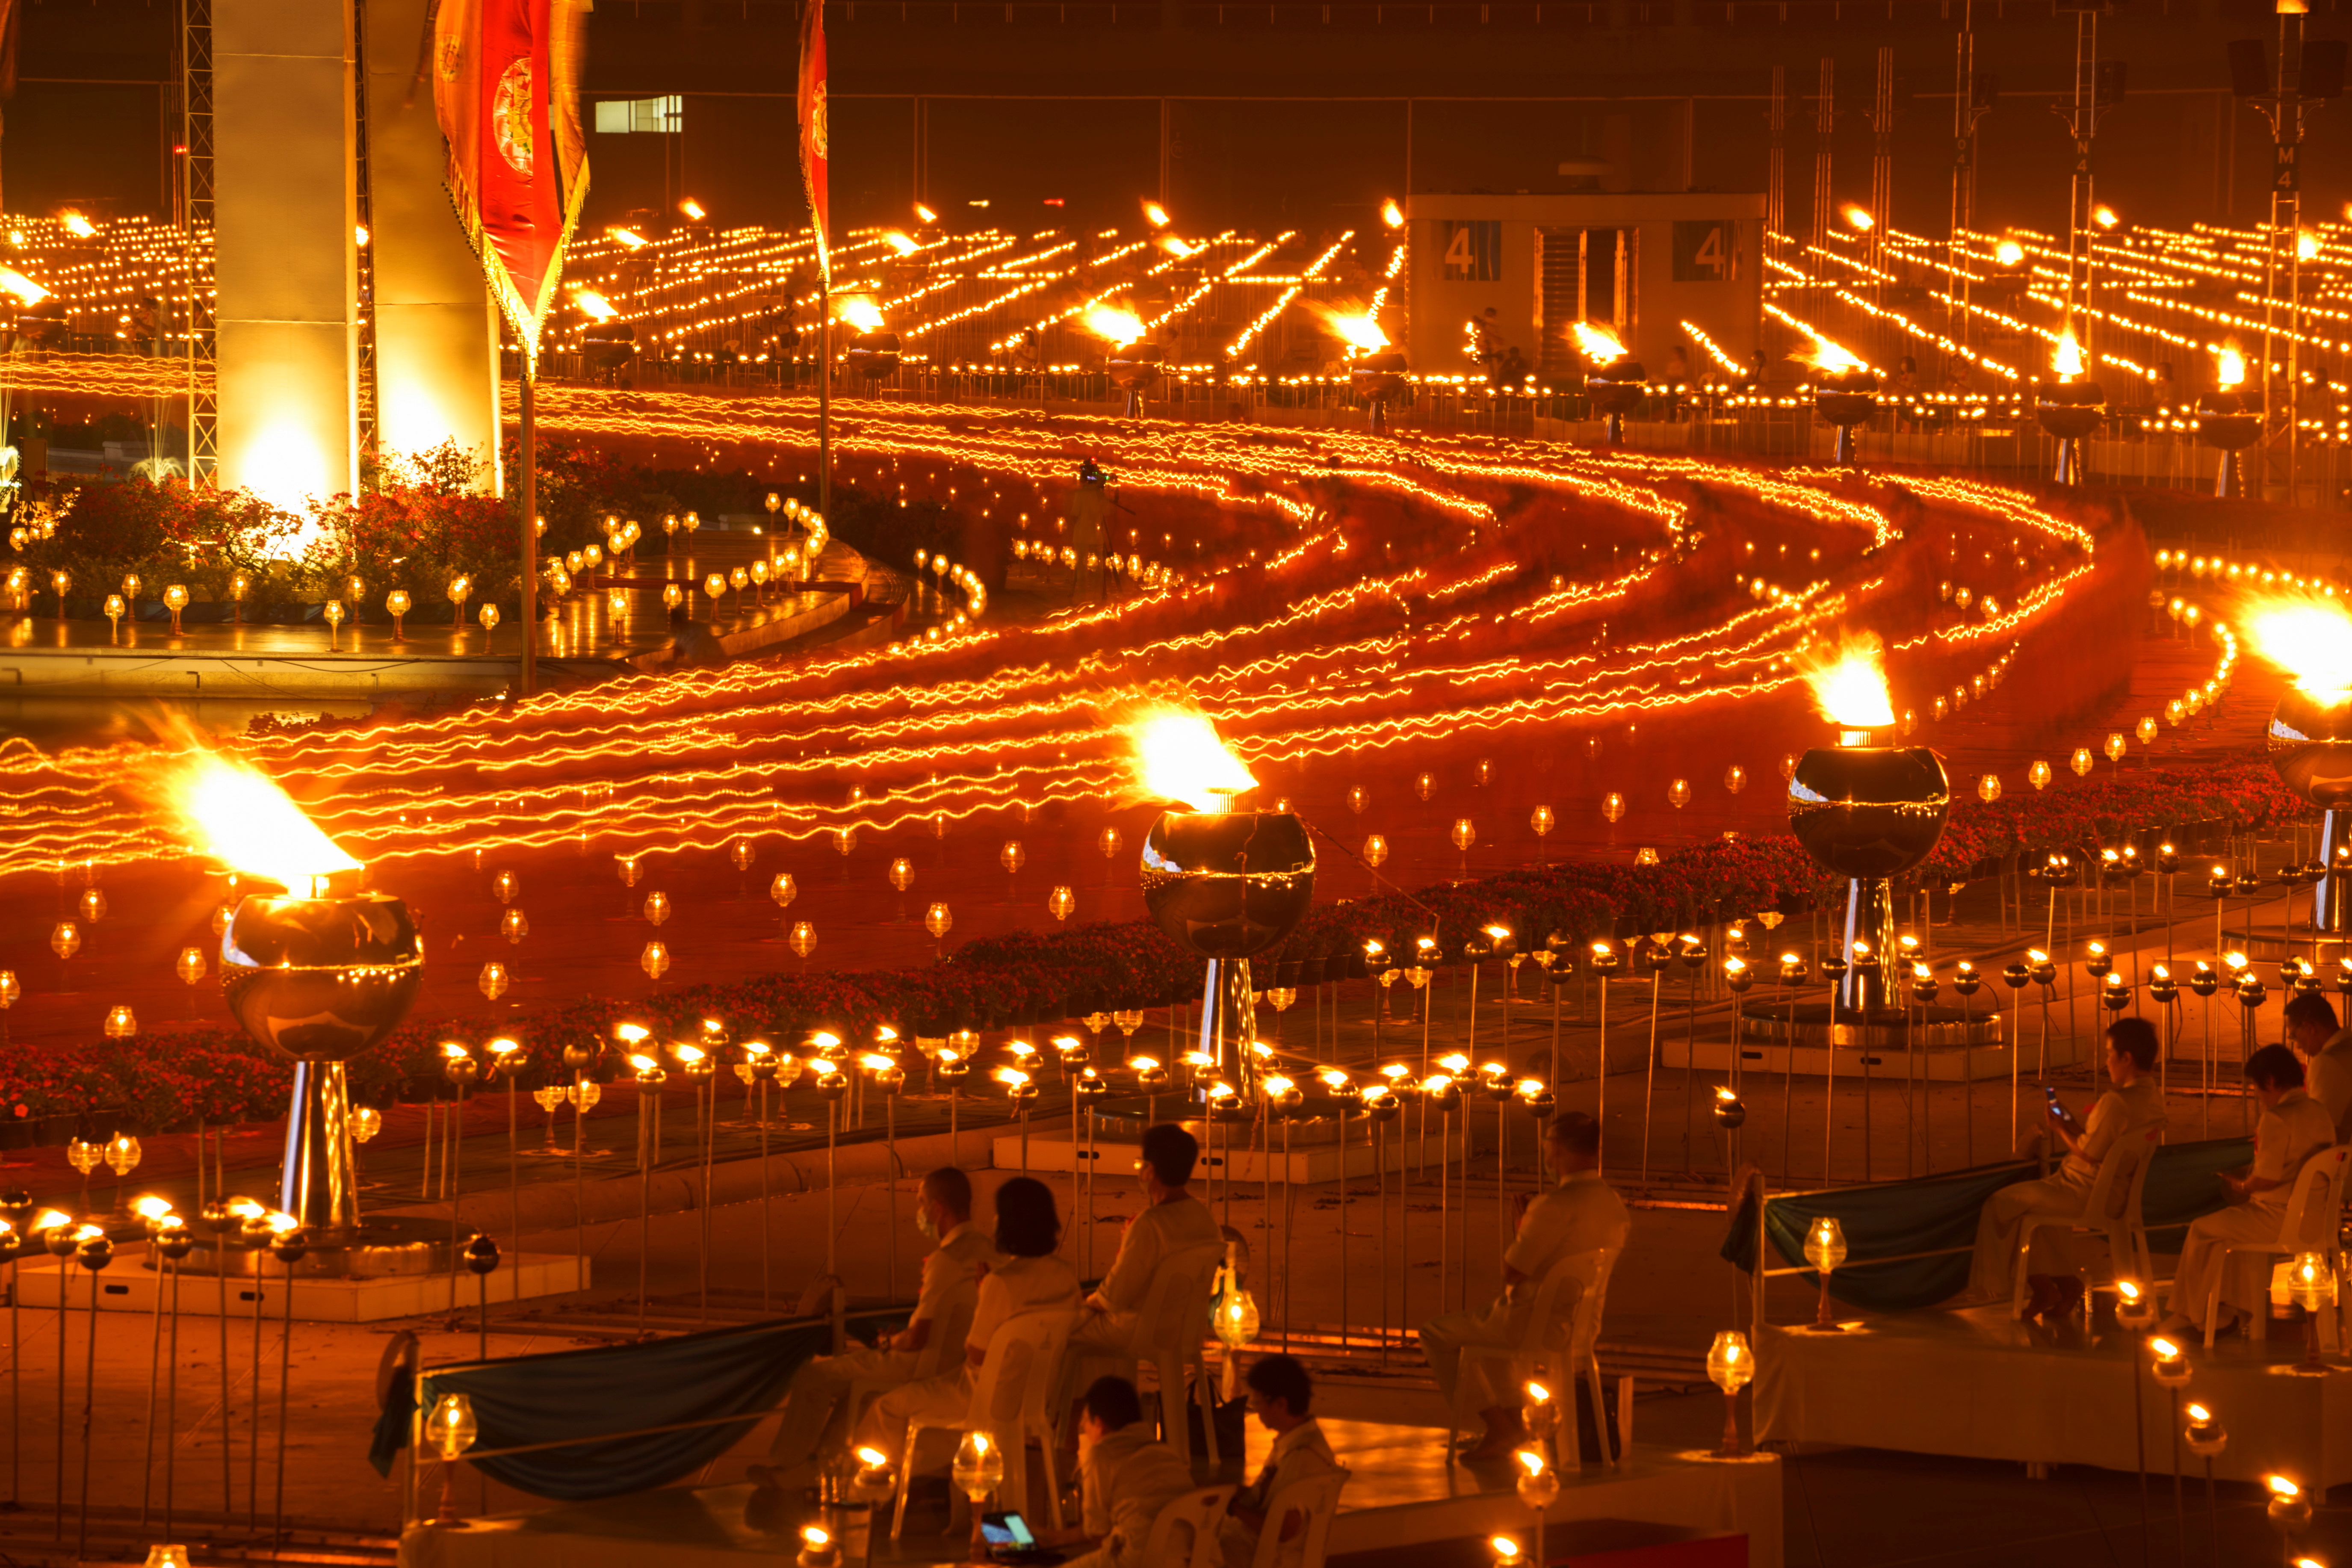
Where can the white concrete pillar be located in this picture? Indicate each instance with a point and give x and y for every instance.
(437, 340)
(285, 261)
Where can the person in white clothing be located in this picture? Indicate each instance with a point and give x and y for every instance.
(1029, 1278)
(1124, 1479)
(1280, 1393)
(2134, 1105)
(2327, 1053)
(962, 1254)
(1172, 1221)
(1580, 1214)
(2293, 1127)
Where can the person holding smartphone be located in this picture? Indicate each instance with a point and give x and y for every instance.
(2133, 1105)
(1126, 1477)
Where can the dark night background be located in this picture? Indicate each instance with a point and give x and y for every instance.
(1294, 115)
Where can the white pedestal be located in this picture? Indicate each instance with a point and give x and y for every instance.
(129, 1286)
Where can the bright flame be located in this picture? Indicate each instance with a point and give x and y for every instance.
(1505, 1549)
(2164, 1348)
(876, 1063)
(2230, 367)
(2068, 360)
(861, 312)
(1156, 214)
(2307, 244)
(1530, 1460)
(46, 1221)
(692, 209)
(1599, 345)
(591, 303)
(629, 238)
(1175, 246)
(2105, 216)
(1850, 686)
(1391, 214)
(1831, 358)
(2311, 639)
(629, 1034)
(235, 813)
(17, 284)
(925, 214)
(1357, 329)
(1114, 323)
(76, 225)
(903, 244)
(152, 1207)
(1860, 218)
(2008, 253)
(874, 1458)
(2199, 1414)
(1179, 758)
(2281, 1486)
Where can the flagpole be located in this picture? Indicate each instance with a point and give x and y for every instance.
(824, 397)
(530, 628)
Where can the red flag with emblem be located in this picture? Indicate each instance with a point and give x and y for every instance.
(505, 88)
(814, 157)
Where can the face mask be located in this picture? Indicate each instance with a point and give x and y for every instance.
(929, 1226)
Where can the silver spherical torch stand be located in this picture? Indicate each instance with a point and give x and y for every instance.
(1132, 369)
(1868, 814)
(319, 976)
(2070, 411)
(1846, 400)
(1228, 884)
(1376, 380)
(2310, 744)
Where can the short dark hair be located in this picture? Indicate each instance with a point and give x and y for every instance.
(1172, 1152)
(1026, 1225)
(1282, 1377)
(1114, 1401)
(2136, 1037)
(2274, 1067)
(950, 1187)
(1578, 1129)
(2309, 1009)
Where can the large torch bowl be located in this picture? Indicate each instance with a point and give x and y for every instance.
(1867, 814)
(2310, 744)
(1869, 810)
(1228, 884)
(321, 979)
(874, 354)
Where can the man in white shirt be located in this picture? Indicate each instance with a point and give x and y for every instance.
(2134, 1105)
(1027, 1279)
(1280, 1395)
(1579, 1216)
(2327, 1053)
(962, 1254)
(1172, 1221)
(1124, 1479)
(2294, 1127)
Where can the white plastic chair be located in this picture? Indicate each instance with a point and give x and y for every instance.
(1570, 1355)
(1170, 1329)
(2308, 1224)
(1198, 1512)
(2104, 1213)
(1317, 1498)
(1024, 1360)
(942, 1349)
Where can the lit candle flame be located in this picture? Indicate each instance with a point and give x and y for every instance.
(1115, 324)
(860, 312)
(240, 815)
(1178, 757)
(1598, 343)
(2230, 367)
(2068, 360)
(2310, 639)
(1849, 684)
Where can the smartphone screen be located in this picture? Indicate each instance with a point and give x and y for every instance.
(1006, 1529)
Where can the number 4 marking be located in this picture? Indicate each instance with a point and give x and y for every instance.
(1710, 255)
(1457, 251)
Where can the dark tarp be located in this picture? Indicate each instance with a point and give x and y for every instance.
(1892, 1218)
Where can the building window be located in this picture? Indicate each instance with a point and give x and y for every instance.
(657, 116)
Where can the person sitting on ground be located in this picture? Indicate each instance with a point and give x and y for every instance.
(1029, 1278)
(1125, 1480)
(2326, 1052)
(2293, 1127)
(2134, 1104)
(1172, 1221)
(692, 646)
(1280, 1393)
(963, 1254)
(1580, 1214)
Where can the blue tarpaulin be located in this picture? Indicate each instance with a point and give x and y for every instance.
(582, 1394)
(1893, 1219)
